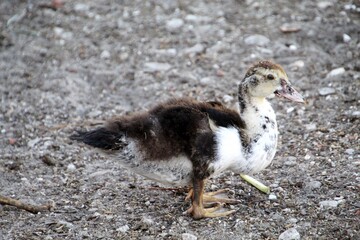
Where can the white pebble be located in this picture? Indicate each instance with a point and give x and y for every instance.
(257, 39)
(205, 80)
(293, 47)
(290, 234)
(326, 91)
(105, 54)
(227, 98)
(329, 204)
(188, 236)
(349, 151)
(272, 196)
(123, 229)
(324, 4)
(71, 167)
(346, 38)
(156, 67)
(310, 127)
(197, 48)
(336, 72)
(174, 24)
(80, 7)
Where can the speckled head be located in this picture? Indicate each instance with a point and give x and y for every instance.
(266, 66)
(265, 78)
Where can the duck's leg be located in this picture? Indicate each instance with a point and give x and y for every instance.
(197, 209)
(210, 197)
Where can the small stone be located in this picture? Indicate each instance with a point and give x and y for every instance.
(349, 151)
(147, 221)
(310, 127)
(292, 220)
(3, 131)
(293, 47)
(326, 91)
(188, 236)
(80, 7)
(123, 229)
(151, 67)
(257, 39)
(297, 65)
(272, 196)
(313, 185)
(174, 24)
(290, 234)
(329, 204)
(197, 19)
(324, 4)
(336, 72)
(33, 142)
(346, 38)
(105, 54)
(12, 141)
(205, 80)
(71, 167)
(95, 113)
(227, 98)
(197, 48)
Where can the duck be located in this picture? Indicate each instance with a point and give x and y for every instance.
(184, 142)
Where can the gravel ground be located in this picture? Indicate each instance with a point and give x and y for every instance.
(74, 66)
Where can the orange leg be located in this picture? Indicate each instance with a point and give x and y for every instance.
(197, 209)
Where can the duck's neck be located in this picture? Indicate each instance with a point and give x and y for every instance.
(257, 113)
(261, 129)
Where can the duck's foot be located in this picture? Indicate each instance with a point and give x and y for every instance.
(198, 212)
(210, 197)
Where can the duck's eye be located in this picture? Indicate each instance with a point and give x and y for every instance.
(270, 77)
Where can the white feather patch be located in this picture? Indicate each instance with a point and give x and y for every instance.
(229, 149)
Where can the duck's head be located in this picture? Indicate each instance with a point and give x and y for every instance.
(266, 78)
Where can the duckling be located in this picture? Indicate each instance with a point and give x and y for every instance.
(183, 142)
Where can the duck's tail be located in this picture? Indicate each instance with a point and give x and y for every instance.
(100, 138)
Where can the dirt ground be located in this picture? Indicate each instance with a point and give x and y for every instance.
(72, 67)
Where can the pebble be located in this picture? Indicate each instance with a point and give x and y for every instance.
(80, 7)
(346, 38)
(197, 19)
(297, 65)
(329, 204)
(33, 142)
(313, 185)
(227, 98)
(290, 234)
(290, 161)
(205, 80)
(105, 54)
(174, 25)
(326, 91)
(310, 127)
(257, 39)
(147, 221)
(272, 196)
(71, 167)
(151, 67)
(123, 229)
(349, 151)
(188, 236)
(324, 4)
(197, 48)
(336, 72)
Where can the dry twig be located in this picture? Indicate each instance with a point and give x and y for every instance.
(28, 207)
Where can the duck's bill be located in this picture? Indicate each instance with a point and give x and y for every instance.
(290, 93)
